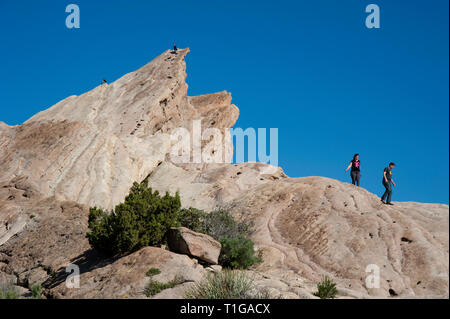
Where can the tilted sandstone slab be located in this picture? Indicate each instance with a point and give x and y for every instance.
(185, 241)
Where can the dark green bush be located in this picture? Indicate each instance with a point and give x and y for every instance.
(326, 289)
(237, 248)
(142, 220)
(238, 252)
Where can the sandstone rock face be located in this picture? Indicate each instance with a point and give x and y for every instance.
(88, 150)
(185, 241)
(317, 226)
(91, 148)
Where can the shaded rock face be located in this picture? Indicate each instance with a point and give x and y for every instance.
(88, 150)
(40, 236)
(185, 241)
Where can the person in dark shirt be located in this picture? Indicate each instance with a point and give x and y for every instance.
(355, 172)
(388, 182)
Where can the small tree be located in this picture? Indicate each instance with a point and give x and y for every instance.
(326, 289)
(238, 253)
(141, 220)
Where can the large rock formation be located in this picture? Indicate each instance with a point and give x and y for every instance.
(87, 150)
(91, 148)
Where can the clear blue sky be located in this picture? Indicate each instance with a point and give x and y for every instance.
(310, 68)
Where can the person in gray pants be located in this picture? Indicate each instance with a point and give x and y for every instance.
(355, 172)
(388, 182)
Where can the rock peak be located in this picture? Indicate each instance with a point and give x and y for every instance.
(91, 148)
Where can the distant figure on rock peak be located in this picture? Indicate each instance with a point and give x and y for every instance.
(388, 182)
(355, 172)
(175, 49)
(104, 81)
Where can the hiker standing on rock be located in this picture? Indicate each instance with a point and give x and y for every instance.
(388, 182)
(355, 172)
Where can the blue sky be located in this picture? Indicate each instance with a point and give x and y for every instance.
(310, 68)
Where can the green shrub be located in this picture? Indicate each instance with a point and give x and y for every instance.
(326, 289)
(36, 291)
(228, 284)
(193, 219)
(142, 220)
(153, 271)
(237, 249)
(9, 292)
(154, 287)
(238, 252)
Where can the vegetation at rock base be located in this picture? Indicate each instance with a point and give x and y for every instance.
(237, 248)
(143, 219)
(238, 253)
(154, 287)
(193, 219)
(36, 291)
(9, 292)
(228, 284)
(326, 289)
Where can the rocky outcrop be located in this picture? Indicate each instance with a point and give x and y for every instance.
(91, 148)
(318, 226)
(127, 277)
(88, 150)
(185, 241)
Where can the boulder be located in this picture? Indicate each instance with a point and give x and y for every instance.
(185, 241)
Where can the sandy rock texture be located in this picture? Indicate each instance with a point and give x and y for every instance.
(91, 148)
